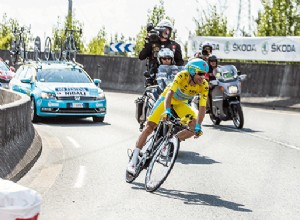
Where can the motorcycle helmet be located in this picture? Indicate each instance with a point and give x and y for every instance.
(212, 58)
(165, 53)
(196, 65)
(163, 25)
(207, 45)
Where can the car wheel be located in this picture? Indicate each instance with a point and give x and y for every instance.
(34, 116)
(98, 119)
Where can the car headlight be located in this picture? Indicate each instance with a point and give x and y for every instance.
(232, 89)
(48, 95)
(101, 96)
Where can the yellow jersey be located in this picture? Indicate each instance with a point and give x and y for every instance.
(183, 91)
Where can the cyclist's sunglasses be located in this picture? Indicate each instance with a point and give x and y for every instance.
(200, 73)
(166, 58)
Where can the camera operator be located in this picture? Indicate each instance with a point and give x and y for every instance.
(206, 51)
(157, 38)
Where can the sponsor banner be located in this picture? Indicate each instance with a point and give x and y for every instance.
(65, 91)
(250, 48)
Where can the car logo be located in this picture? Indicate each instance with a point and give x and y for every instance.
(77, 98)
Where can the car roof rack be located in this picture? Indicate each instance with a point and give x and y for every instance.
(58, 56)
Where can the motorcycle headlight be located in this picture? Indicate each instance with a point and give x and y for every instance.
(48, 95)
(232, 89)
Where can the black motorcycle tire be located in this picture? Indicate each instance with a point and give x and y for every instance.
(214, 119)
(238, 116)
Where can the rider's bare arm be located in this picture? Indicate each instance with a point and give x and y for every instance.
(168, 99)
(201, 114)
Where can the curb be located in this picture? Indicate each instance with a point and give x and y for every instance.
(30, 157)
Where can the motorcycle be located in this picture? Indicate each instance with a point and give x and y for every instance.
(144, 104)
(225, 96)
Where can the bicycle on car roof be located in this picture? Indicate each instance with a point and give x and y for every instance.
(18, 51)
(70, 48)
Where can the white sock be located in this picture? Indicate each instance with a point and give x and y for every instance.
(135, 155)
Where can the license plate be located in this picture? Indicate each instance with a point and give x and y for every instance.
(77, 105)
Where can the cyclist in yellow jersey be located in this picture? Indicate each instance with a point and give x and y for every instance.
(186, 84)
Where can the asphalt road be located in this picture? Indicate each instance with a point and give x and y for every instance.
(253, 173)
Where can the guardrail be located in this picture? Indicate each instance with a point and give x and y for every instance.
(20, 144)
(126, 74)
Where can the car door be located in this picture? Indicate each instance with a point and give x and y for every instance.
(23, 86)
(15, 83)
(29, 77)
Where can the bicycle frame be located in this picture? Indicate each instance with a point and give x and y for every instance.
(70, 45)
(18, 45)
(166, 127)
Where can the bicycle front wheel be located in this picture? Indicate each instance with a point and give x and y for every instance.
(161, 164)
(47, 49)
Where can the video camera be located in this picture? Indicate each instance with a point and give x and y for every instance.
(154, 33)
(205, 52)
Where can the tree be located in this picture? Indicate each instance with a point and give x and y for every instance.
(154, 16)
(279, 18)
(97, 44)
(6, 31)
(212, 24)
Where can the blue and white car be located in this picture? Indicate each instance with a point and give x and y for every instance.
(60, 89)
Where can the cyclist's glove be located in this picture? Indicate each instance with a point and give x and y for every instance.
(167, 113)
(198, 131)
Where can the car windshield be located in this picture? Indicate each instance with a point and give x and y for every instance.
(63, 76)
(3, 66)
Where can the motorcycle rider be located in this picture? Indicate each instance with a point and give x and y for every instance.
(213, 64)
(156, 39)
(165, 57)
(186, 84)
(206, 51)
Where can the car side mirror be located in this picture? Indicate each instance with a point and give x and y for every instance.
(26, 80)
(243, 77)
(97, 82)
(146, 74)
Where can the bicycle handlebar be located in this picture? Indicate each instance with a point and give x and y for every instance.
(73, 30)
(177, 122)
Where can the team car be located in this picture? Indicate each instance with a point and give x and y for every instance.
(6, 73)
(59, 88)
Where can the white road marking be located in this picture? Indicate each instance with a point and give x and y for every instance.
(80, 178)
(76, 145)
(265, 138)
(278, 112)
(47, 176)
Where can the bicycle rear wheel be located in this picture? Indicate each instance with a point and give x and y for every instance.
(58, 49)
(161, 164)
(143, 162)
(22, 52)
(47, 50)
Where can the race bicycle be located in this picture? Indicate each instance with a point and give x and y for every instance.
(17, 48)
(70, 48)
(159, 153)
